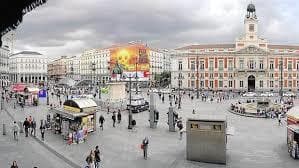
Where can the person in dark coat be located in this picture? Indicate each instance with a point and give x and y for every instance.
(114, 118)
(33, 127)
(26, 125)
(101, 121)
(42, 131)
(119, 116)
(97, 158)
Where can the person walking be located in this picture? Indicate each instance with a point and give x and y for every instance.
(90, 160)
(15, 129)
(101, 121)
(114, 118)
(279, 119)
(97, 158)
(26, 125)
(144, 144)
(180, 126)
(42, 131)
(14, 164)
(119, 116)
(33, 127)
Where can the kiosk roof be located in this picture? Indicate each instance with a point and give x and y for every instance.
(294, 112)
(201, 117)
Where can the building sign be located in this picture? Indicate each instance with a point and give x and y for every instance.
(132, 59)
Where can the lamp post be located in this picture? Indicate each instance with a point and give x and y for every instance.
(180, 97)
(93, 68)
(136, 77)
(130, 117)
(197, 78)
(281, 81)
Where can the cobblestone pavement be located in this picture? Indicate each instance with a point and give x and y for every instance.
(256, 142)
(26, 151)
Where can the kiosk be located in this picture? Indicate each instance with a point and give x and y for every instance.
(75, 120)
(293, 132)
(206, 139)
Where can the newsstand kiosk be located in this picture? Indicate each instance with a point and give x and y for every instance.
(75, 120)
(293, 132)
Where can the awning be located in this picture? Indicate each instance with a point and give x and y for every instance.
(68, 115)
(18, 87)
(294, 127)
(81, 103)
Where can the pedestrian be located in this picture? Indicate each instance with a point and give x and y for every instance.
(15, 129)
(193, 111)
(30, 122)
(119, 116)
(90, 160)
(14, 164)
(144, 146)
(108, 109)
(101, 121)
(33, 127)
(42, 131)
(180, 126)
(60, 103)
(26, 124)
(97, 159)
(113, 118)
(279, 119)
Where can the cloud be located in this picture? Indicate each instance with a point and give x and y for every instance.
(61, 27)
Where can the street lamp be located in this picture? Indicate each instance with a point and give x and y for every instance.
(136, 77)
(93, 68)
(130, 117)
(197, 78)
(180, 83)
(281, 82)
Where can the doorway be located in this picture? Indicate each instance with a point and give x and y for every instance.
(251, 83)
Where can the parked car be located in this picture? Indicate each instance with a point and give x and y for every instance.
(138, 104)
(267, 94)
(288, 94)
(249, 94)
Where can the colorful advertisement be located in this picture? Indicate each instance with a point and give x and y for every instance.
(133, 60)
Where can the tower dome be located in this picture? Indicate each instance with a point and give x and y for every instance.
(251, 8)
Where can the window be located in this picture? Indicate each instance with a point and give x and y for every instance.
(261, 64)
(211, 65)
(297, 83)
(271, 64)
(290, 76)
(241, 64)
(211, 75)
(241, 84)
(220, 65)
(251, 64)
(211, 84)
(202, 65)
(220, 84)
(220, 75)
(271, 83)
(202, 75)
(290, 65)
(261, 84)
(271, 75)
(192, 84)
(230, 75)
(192, 63)
(230, 65)
(290, 84)
(280, 64)
(180, 65)
(297, 66)
(230, 83)
(201, 84)
(251, 27)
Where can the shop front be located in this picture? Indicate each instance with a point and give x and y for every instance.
(293, 132)
(75, 120)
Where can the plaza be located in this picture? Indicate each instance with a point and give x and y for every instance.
(256, 142)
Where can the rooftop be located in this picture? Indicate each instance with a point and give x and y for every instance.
(27, 53)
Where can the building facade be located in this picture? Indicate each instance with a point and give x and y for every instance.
(28, 67)
(73, 68)
(94, 65)
(4, 69)
(250, 63)
(57, 69)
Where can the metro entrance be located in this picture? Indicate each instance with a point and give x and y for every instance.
(251, 83)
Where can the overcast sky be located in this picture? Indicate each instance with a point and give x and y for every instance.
(68, 27)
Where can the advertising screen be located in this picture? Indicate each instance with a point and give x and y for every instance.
(133, 59)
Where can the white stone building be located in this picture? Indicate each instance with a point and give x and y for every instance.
(94, 65)
(73, 68)
(4, 76)
(28, 67)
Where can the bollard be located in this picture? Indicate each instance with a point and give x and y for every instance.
(21, 127)
(4, 129)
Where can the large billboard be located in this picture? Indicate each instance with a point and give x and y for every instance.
(133, 59)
